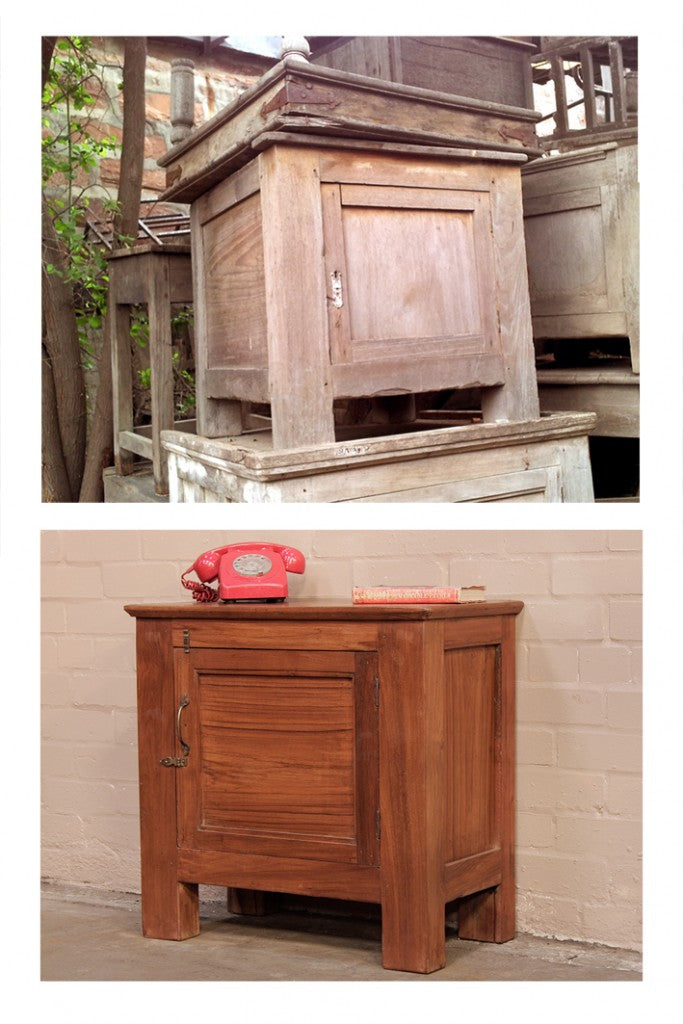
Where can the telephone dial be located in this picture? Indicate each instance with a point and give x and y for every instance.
(245, 572)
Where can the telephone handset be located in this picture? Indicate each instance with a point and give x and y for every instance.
(245, 572)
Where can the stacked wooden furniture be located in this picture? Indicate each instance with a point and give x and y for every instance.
(581, 224)
(492, 68)
(353, 237)
(360, 752)
(582, 242)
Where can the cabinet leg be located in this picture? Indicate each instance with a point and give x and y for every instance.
(488, 916)
(170, 911)
(413, 935)
(253, 902)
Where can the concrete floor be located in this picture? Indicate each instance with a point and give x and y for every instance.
(91, 937)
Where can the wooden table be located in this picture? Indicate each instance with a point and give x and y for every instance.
(361, 752)
(155, 276)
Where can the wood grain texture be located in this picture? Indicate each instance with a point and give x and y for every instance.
(614, 396)
(215, 418)
(379, 771)
(170, 906)
(342, 636)
(517, 400)
(471, 767)
(154, 276)
(282, 874)
(488, 69)
(296, 297)
(582, 238)
(481, 462)
(161, 363)
(234, 288)
(292, 93)
(490, 916)
(411, 798)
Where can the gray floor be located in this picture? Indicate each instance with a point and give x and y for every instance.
(86, 937)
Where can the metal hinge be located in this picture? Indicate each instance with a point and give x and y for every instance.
(377, 692)
(186, 641)
(378, 825)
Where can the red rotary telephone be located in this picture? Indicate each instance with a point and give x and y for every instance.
(245, 572)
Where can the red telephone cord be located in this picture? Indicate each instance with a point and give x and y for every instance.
(200, 591)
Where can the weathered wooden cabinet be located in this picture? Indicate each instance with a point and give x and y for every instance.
(327, 749)
(353, 237)
(582, 242)
(323, 273)
(482, 67)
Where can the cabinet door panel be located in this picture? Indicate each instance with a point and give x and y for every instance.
(405, 265)
(275, 740)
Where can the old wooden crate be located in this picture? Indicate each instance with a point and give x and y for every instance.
(328, 266)
(582, 234)
(544, 460)
(492, 68)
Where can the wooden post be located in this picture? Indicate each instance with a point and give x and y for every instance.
(118, 323)
(182, 98)
(298, 345)
(412, 799)
(161, 362)
(517, 399)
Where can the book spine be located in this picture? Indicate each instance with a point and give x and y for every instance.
(405, 595)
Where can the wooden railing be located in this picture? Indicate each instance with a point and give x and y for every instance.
(605, 70)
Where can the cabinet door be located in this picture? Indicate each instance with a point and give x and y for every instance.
(283, 753)
(411, 278)
(574, 262)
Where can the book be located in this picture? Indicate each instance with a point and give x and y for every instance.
(417, 595)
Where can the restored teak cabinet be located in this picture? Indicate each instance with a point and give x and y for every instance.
(357, 752)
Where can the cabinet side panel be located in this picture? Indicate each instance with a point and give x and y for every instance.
(234, 286)
(169, 908)
(470, 751)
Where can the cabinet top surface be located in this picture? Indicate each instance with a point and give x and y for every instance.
(334, 609)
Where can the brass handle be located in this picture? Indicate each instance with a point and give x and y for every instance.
(184, 701)
(179, 762)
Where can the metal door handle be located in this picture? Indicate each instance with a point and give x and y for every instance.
(179, 762)
(184, 701)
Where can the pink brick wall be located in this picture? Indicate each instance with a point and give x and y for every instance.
(579, 697)
(218, 81)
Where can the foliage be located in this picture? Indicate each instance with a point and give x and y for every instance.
(183, 379)
(73, 144)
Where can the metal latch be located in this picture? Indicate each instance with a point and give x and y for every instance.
(337, 297)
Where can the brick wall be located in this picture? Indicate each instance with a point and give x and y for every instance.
(219, 79)
(579, 710)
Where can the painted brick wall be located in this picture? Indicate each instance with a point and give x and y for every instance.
(579, 697)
